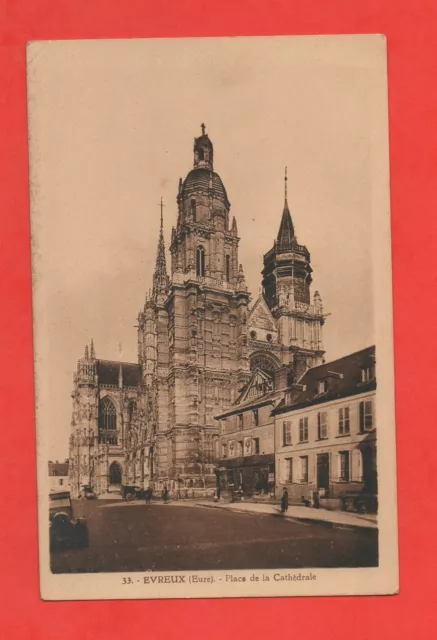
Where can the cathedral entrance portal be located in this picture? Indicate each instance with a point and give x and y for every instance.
(115, 473)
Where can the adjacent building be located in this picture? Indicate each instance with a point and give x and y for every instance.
(325, 431)
(58, 475)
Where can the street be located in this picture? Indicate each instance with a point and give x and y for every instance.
(180, 537)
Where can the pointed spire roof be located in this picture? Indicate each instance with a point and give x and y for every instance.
(286, 230)
(92, 351)
(86, 352)
(161, 267)
(160, 277)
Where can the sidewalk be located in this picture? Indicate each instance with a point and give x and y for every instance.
(330, 518)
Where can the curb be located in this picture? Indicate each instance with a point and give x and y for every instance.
(325, 523)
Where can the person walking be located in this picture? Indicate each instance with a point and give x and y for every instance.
(284, 501)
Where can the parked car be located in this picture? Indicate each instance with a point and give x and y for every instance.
(131, 492)
(66, 531)
(88, 493)
(359, 502)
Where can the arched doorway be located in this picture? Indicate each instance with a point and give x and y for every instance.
(115, 473)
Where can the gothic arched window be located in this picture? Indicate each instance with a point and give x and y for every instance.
(264, 361)
(201, 154)
(107, 415)
(228, 267)
(200, 261)
(193, 209)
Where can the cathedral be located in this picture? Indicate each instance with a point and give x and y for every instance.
(153, 422)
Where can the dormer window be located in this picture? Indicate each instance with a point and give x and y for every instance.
(322, 386)
(366, 374)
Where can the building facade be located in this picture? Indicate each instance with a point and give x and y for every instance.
(58, 476)
(326, 431)
(199, 343)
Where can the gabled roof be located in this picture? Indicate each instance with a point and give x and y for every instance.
(252, 395)
(343, 377)
(260, 316)
(108, 371)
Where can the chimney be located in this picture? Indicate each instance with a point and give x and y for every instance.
(283, 377)
(300, 367)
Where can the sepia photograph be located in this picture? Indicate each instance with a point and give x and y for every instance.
(212, 306)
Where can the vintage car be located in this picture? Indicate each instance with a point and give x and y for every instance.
(65, 530)
(131, 492)
(88, 493)
(359, 502)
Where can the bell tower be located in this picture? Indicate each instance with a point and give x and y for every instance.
(287, 292)
(207, 309)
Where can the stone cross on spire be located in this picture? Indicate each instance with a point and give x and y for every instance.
(203, 128)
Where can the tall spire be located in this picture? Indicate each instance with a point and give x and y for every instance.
(286, 230)
(160, 277)
(92, 352)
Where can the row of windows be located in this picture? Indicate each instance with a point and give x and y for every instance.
(255, 419)
(236, 449)
(343, 425)
(200, 263)
(296, 469)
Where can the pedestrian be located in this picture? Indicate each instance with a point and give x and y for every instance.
(284, 501)
(165, 494)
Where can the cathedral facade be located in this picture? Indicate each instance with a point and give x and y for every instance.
(153, 423)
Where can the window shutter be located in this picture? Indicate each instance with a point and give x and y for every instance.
(361, 417)
(336, 466)
(284, 471)
(356, 466)
(299, 469)
(311, 474)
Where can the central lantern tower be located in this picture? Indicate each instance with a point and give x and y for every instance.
(203, 316)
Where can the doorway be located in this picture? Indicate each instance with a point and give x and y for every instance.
(115, 473)
(323, 471)
(369, 470)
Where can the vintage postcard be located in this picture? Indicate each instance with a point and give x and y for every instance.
(213, 317)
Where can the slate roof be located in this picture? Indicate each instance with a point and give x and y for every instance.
(198, 180)
(108, 372)
(286, 237)
(58, 469)
(343, 376)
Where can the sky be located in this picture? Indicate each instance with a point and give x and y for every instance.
(111, 128)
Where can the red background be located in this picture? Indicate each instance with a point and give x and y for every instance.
(410, 27)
